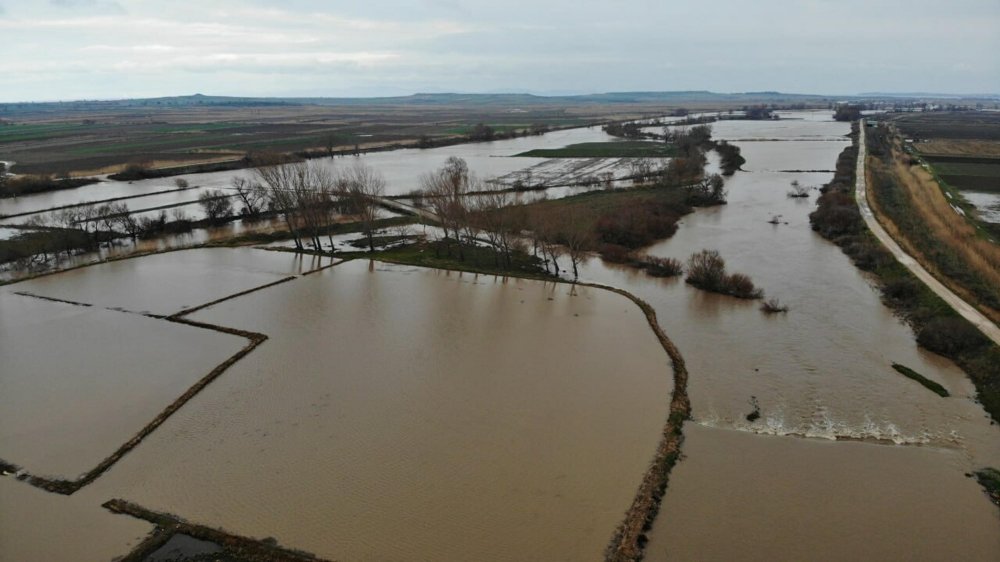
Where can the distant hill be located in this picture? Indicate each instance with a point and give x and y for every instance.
(513, 100)
(930, 95)
(420, 99)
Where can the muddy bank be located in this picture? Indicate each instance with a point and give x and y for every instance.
(167, 526)
(629, 538)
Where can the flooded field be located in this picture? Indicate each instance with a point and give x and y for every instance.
(508, 413)
(99, 376)
(987, 205)
(8, 233)
(171, 282)
(401, 168)
(41, 526)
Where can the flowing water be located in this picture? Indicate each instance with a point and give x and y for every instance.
(821, 371)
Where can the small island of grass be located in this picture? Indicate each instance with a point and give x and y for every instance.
(611, 149)
(929, 384)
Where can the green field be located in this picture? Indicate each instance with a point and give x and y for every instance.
(967, 169)
(613, 149)
(498, 128)
(973, 175)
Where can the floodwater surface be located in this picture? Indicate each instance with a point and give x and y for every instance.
(399, 413)
(39, 526)
(401, 168)
(78, 382)
(173, 281)
(821, 371)
(775, 498)
(409, 414)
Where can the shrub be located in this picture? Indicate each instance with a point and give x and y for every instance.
(614, 253)
(773, 306)
(216, 204)
(740, 285)
(706, 270)
(904, 290)
(637, 225)
(662, 267)
(836, 215)
(950, 336)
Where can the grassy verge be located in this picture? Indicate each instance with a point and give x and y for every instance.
(922, 220)
(332, 230)
(234, 547)
(938, 328)
(27, 185)
(618, 221)
(441, 255)
(613, 149)
(926, 382)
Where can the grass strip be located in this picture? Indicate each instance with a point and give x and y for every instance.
(235, 546)
(613, 149)
(928, 383)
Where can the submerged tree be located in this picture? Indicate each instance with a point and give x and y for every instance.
(446, 189)
(216, 204)
(252, 194)
(361, 187)
(302, 194)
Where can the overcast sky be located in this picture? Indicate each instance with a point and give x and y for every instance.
(74, 49)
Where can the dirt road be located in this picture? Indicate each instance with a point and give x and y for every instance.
(967, 311)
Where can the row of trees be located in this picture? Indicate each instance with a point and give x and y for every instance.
(473, 212)
(847, 112)
(309, 197)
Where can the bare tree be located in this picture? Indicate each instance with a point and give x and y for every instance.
(578, 238)
(361, 187)
(446, 188)
(302, 193)
(179, 214)
(216, 204)
(129, 224)
(798, 190)
(251, 194)
(490, 211)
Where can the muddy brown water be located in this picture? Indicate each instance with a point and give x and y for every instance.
(78, 382)
(412, 414)
(820, 372)
(36, 525)
(398, 413)
(779, 498)
(170, 282)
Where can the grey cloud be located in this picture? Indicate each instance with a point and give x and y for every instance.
(252, 47)
(91, 6)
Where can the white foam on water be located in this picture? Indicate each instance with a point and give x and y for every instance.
(824, 426)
